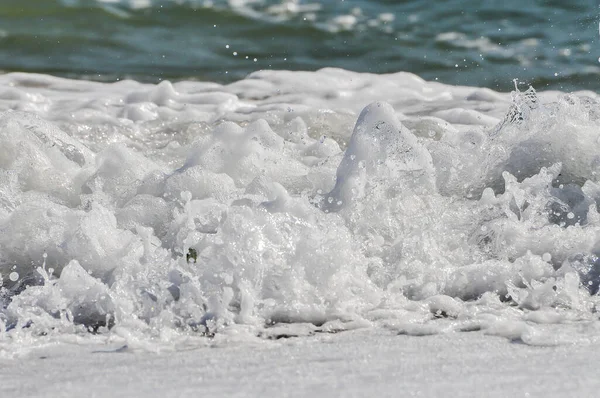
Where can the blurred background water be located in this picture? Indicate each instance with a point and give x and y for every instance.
(552, 44)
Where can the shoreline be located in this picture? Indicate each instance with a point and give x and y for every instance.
(358, 363)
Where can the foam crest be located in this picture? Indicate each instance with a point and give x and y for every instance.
(234, 209)
(380, 151)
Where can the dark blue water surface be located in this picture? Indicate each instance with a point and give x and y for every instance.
(550, 44)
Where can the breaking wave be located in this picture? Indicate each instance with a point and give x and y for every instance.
(331, 200)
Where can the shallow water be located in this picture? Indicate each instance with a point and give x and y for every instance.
(294, 203)
(359, 363)
(550, 44)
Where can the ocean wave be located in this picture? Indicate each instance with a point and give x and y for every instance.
(332, 198)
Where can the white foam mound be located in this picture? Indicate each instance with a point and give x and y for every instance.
(380, 152)
(333, 200)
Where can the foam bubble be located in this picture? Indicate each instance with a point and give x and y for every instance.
(328, 197)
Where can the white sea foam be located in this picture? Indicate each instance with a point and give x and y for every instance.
(334, 198)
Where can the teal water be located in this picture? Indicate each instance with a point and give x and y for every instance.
(550, 44)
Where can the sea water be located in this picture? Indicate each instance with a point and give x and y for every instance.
(483, 43)
(292, 203)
